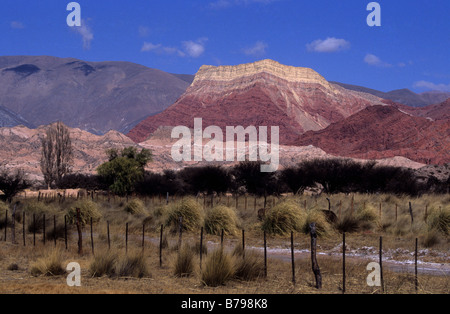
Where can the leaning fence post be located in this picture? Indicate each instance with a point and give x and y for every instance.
(315, 265)
(13, 225)
(411, 213)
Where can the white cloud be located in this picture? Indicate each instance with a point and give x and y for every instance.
(257, 50)
(86, 34)
(330, 44)
(17, 25)
(373, 60)
(160, 49)
(432, 86)
(196, 48)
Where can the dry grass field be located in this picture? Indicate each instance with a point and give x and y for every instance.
(128, 268)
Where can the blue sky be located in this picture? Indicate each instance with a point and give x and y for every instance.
(411, 49)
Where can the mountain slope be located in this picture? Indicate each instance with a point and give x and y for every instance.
(9, 118)
(264, 93)
(93, 96)
(384, 131)
(402, 96)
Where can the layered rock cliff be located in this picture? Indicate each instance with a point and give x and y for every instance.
(263, 93)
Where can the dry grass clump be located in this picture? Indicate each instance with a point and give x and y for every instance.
(133, 265)
(439, 219)
(135, 207)
(88, 210)
(49, 265)
(248, 266)
(368, 217)
(218, 269)
(347, 224)
(323, 227)
(430, 238)
(184, 263)
(190, 211)
(221, 218)
(103, 264)
(284, 218)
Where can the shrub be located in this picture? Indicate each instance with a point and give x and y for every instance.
(431, 238)
(88, 210)
(13, 267)
(347, 224)
(184, 263)
(103, 264)
(135, 207)
(218, 269)
(323, 227)
(132, 266)
(284, 218)
(189, 210)
(221, 217)
(49, 265)
(439, 219)
(249, 266)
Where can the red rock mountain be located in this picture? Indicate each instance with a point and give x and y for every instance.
(435, 112)
(264, 93)
(383, 132)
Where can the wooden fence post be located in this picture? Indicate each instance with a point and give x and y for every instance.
(315, 265)
(411, 213)
(221, 238)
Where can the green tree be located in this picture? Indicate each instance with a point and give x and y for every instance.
(124, 169)
(12, 184)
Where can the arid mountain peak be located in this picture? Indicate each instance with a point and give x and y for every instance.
(263, 93)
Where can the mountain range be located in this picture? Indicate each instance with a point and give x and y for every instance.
(103, 101)
(93, 96)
